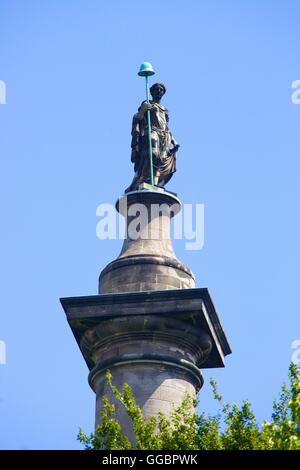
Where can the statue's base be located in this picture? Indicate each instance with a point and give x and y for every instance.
(151, 188)
(147, 260)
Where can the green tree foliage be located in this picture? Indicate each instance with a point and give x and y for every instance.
(233, 427)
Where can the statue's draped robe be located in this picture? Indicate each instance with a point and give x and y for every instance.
(164, 160)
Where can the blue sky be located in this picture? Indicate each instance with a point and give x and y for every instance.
(70, 73)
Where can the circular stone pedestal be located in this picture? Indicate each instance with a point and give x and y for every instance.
(147, 260)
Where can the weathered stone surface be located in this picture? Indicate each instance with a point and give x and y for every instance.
(149, 254)
(158, 311)
(158, 388)
(151, 340)
(149, 324)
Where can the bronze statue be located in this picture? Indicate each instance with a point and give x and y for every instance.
(164, 146)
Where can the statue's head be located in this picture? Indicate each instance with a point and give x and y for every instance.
(157, 91)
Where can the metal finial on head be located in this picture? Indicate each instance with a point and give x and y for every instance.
(146, 70)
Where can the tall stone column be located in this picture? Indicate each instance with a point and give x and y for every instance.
(148, 325)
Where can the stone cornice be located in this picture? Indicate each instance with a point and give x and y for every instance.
(191, 306)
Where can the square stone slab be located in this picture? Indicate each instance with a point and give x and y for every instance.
(190, 305)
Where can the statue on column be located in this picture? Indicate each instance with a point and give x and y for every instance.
(164, 146)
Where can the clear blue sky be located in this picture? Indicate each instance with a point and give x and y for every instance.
(70, 71)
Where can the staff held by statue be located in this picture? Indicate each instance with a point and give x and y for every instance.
(146, 70)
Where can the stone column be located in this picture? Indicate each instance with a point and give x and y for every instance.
(155, 354)
(149, 325)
